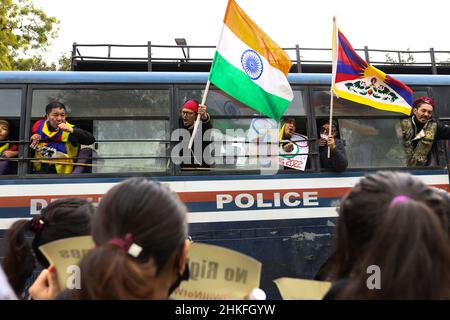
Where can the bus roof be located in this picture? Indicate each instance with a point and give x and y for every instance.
(54, 77)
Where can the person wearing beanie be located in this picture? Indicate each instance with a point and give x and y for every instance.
(188, 114)
(338, 158)
(189, 111)
(420, 133)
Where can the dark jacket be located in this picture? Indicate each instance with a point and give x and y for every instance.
(206, 125)
(338, 158)
(80, 136)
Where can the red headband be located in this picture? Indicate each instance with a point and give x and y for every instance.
(421, 100)
(191, 105)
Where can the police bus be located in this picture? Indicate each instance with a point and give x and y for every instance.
(285, 219)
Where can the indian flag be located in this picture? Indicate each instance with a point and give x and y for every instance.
(250, 67)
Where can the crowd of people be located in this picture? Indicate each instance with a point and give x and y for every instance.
(55, 142)
(388, 220)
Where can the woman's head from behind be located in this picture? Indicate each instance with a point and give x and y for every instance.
(412, 253)
(362, 209)
(63, 218)
(141, 232)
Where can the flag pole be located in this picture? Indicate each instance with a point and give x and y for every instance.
(205, 93)
(334, 53)
(197, 121)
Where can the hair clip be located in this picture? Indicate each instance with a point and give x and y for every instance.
(37, 224)
(399, 199)
(127, 244)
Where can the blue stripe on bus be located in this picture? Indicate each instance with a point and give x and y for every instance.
(21, 212)
(17, 212)
(127, 78)
(348, 174)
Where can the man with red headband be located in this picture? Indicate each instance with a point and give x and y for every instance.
(420, 132)
(189, 111)
(188, 114)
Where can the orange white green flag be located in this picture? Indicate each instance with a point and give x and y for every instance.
(250, 67)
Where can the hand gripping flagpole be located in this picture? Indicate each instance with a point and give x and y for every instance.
(334, 52)
(197, 121)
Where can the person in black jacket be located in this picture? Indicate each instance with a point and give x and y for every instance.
(188, 114)
(56, 141)
(420, 133)
(338, 158)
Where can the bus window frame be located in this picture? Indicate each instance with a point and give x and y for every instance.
(308, 116)
(22, 123)
(94, 86)
(393, 115)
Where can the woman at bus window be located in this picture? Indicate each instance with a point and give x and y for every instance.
(141, 234)
(7, 150)
(338, 159)
(54, 137)
(61, 219)
(361, 212)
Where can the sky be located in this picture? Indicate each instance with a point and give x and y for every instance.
(380, 24)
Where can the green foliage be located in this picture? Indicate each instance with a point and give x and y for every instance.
(403, 57)
(25, 31)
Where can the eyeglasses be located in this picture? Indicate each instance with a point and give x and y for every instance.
(187, 113)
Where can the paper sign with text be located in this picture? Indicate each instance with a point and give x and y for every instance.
(218, 273)
(65, 253)
(297, 158)
(300, 289)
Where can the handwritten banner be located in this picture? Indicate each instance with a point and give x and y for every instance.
(218, 273)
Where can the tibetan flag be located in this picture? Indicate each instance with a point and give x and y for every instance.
(250, 67)
(354, 79)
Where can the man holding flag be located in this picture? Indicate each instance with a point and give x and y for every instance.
(250, 67)
(354, 79)
(420, 132)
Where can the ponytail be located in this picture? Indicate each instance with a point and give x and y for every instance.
(109, 272)
(18, 262)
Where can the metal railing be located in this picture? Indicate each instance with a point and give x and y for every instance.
(152, 53)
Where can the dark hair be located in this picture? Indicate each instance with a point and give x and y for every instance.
(411, 250)
(446, 205)
(53, 105)
(155, 218)
(333, 122)
(362, 209)
(62, 218)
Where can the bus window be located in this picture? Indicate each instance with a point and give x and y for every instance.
(236, 123)
(89, 103)
(10, 102)
(442, 99)
(221, 104)
(153, 152)
(373, 143)
(131, 126)
(10, 107)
